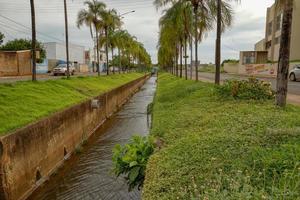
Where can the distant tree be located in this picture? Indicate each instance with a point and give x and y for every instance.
(24, 44)
(1, 38)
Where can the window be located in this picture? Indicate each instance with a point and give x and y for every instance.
(270, 28)
(268, 44)
(278, 22)
(249, 58)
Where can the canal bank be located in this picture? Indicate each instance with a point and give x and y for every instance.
(87, 176)
(29, 155)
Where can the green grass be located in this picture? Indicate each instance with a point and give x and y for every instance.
(24, 102)
(221, 149)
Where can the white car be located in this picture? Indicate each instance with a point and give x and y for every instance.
(295, 73)
(61, 69)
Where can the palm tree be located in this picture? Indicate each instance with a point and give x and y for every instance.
(224, 19)
(109, 21)
(284, 52)
(90, 18)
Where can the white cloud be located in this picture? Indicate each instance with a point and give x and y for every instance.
(246, 30)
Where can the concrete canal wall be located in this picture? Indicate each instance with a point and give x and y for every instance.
(31, 154)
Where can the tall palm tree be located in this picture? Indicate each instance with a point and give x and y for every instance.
(205, 12)
(90, 18)
(223, 20)
(284, 52)
(109, 21)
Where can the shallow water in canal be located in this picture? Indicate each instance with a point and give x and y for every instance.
(87, 175)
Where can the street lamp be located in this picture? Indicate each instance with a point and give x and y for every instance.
(121, 15)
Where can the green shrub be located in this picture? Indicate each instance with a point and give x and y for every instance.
(130, 160)
(251, 89)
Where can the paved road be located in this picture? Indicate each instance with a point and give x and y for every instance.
(294, 87)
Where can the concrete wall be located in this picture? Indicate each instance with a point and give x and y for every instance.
(254, 69)
(29, 155)
(231, 68)
(15, 63)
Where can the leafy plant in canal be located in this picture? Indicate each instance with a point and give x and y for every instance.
(130, 160)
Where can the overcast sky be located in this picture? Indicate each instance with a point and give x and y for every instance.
(248, 27)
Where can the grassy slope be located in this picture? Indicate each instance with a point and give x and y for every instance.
(221, 149)
(25, 102)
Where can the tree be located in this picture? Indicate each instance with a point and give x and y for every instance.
(225, 18)
(109, 21)
(1, 38)
(284, 52)
(90, 18)
(24, 44)
(33, 40)
(205, 13)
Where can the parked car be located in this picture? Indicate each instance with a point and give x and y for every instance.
(295, 73)
(61, 69)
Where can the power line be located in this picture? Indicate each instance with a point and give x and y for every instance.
(7, 18)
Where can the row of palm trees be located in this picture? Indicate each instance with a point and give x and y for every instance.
(185, 22)
(105, 29)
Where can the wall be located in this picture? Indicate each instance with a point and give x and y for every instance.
(231, 68)
(29, 155)
(272, 14)
(15, 63)
(295, 43)
(261, 45)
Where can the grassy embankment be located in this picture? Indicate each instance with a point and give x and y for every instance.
(221, 148)
(24, 102)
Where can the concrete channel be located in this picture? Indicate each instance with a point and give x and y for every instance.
(87, 175)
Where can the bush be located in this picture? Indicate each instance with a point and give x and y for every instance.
(251, 89)
(131, 160)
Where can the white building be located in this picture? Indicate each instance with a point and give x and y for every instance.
(91, 59)
(57, 51)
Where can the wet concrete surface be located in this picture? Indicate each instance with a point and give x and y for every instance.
(87, 175)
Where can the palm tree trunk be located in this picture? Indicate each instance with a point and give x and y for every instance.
(33, 40)
(284, 54)
(67, 37)
(98, 58)
(177, 60)
(112, 58)
(196, 40)
(185, 57)
(181, 54)
(120, 64)
(191, 67)
(218, 43)
(106, 51)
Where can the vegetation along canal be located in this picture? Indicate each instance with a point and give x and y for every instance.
(87, 175)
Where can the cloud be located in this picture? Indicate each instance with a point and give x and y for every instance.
(248, 27)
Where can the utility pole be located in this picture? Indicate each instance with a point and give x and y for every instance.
(33, 41)
(67, 37)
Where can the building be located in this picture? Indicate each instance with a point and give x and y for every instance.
(91, 59)
(253, 57)
(56, 53)
(273, 33)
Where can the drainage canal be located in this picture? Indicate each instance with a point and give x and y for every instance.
(87, 175)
